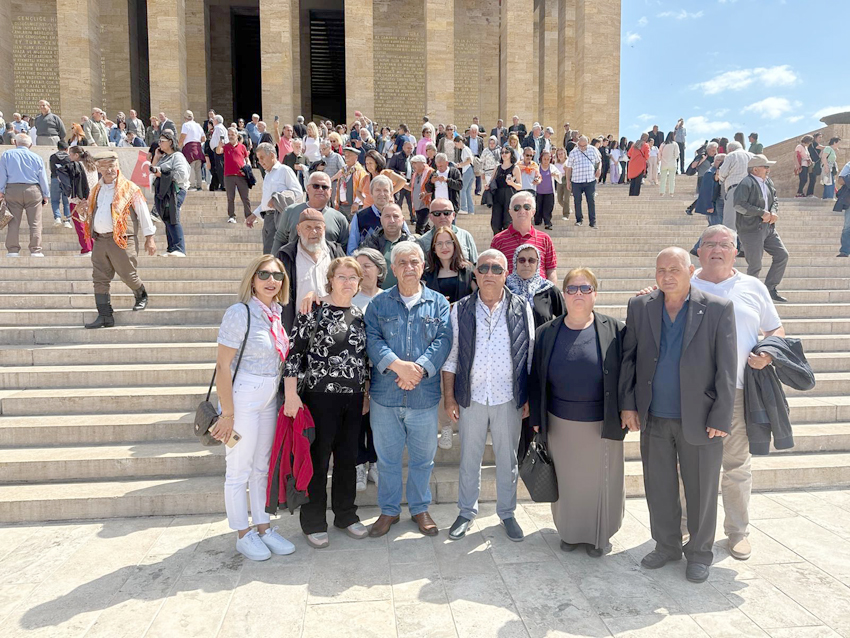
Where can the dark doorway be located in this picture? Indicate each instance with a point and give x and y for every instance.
(245, 52)
(140, 85)
(327, 64)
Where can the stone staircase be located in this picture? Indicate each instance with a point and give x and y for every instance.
(97, 423)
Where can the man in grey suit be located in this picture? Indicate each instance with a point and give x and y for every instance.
(677, 385)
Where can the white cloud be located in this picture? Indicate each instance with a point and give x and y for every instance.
(645, 117)
(720, 112)
(740, 79)
(770, 107)
(795, 118)
(680, 15)
(631, 38)
(643, 21)
(701, 126)
(829, 110)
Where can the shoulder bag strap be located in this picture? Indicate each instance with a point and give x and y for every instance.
(241, 352)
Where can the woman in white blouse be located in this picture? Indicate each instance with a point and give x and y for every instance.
(249, 402)
(312, 150)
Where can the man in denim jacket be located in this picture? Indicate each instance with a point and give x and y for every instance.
(408, 340)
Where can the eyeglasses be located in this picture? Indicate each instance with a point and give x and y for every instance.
(265, 274)
(584, 289)
(322, 187)
(343, 279)
(438, 213)
(445, 244)
(486, 269)
(518, 207)
(725, 245)
(527, 260)
(413, 263)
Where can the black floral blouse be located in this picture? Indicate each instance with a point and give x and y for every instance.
(337, 363)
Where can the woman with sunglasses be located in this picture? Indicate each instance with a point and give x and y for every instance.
(573, 401)
(329, 347)
(506, 181)
(447, 271)
(249, 402)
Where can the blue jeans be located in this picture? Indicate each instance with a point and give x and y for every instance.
(845, 234)
(466, 202)
(57, 197)
(392, 428)
(829, 191)
(174, 232)
(589, 190)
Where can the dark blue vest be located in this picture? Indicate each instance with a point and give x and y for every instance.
(517, 320)
(367, 222)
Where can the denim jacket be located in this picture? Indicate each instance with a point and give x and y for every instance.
(422, 334)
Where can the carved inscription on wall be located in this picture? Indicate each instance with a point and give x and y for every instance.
(467, 62)
(36, 62)
(399, 80)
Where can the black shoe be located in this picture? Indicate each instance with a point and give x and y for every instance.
(578, 223)
(569, 547)
(459, 528)
(656, 560)
(689, 211)
(141, 299)
(697, 572)
(597, 552)
(776, 296)
(842, 255)
(512, 529)
(694, 252)
(548, 226)
(104, 313)
(594, 226)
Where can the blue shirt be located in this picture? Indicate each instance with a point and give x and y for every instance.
(666, 389)
(845, 172)
(253, 133)
(21, 166)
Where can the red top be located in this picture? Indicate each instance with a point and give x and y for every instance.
(509, 240)
(637, 160)
(234, 158)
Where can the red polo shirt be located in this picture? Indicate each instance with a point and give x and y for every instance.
(509, 240)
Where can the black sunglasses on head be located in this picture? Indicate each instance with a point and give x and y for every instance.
(265, 274)
(447, 213)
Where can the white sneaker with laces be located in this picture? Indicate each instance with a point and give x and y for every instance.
(67, 224)
(13, 255)
(251, 547)
(57, 221)
(445, 441)
(36, 254)
(231, 220)
(372, 475)
(361, 477)
(176, 253)
(276, 543)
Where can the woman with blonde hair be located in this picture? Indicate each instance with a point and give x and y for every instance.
(312, 150)
(513, 144)
(252, 347)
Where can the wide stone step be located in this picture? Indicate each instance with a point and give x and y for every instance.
(108, 400)
(607, 297)
(834, 384)
(152, 316)
(161, 287)
(107, 353)
(76, 334)
(96, 429)
(122, 301)
(97, 375)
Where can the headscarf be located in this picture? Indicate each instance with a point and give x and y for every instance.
(281, 341)
(527, 287)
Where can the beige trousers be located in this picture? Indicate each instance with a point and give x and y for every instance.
(107, 259)
(21, 198)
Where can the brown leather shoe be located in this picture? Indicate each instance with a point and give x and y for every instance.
(426, 524)
(382, 525)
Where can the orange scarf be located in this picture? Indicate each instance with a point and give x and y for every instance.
(125, 192)
(528, 170)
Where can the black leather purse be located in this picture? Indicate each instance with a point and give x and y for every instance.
(538, 472)
(206, 414)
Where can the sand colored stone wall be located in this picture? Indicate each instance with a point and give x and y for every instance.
(167, 42)
(7, 62)
(359, 57)
(115, 56)
(597, 79)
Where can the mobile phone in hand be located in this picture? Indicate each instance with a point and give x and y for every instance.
(235, 437)
(277, 118)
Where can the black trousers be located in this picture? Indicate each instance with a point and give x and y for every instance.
(500, 218)
(681, 157)
(337, 418)
(423, 216)
(804, 175)
(813, 179)
(623, 179)
(365, 443)
(589, 190)
(218, 172)
(403, 196)
(634, 185)
(545, 205)
(663, 448)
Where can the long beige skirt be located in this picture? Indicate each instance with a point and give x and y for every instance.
(591, 487)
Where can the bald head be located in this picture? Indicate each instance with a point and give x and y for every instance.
(673, 272)
(674, 252)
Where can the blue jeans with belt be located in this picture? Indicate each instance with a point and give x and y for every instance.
(57, 198)
(466, 202)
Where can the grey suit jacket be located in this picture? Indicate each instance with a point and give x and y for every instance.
(707, 370)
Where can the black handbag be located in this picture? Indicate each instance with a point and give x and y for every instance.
(206, 414)
(538, 472)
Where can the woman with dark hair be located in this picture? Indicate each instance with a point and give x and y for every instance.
(376, 164)
(83, 173)
(739, 137)
(448, 272)
(829, 162)
(506, 181)
(235, 157)
(638, 155)
(722, 143)
(802, 161)
(172, 181)
(550, 178)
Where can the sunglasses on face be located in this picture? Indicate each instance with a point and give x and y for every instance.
(323, 187)
(518, 207)
(485, 269)
(265, 274)
(447, 213)
(584, 289)
(527, 260)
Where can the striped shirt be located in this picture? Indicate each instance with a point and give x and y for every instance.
(734, 168)
(509, 240)
(584, 164)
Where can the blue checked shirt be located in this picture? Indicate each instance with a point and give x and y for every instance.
(21, 166)
(584, 164)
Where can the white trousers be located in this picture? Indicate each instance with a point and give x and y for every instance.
(247, 462)
(668, 180)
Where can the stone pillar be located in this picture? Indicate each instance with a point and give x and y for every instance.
(276, 33)
(80, 66)
(549, 57)
(439, 61)
(7, 62)
(359, 59)
(196, 59)
(115, 55)
(534, 116)
(516, 51)
(297, 104)
(566, 96)
(167, 53)
(597, 76)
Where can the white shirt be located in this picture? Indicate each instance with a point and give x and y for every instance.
(441, 189)
(753, 307)
(102, 223)
(219, 134)
(734, 168)
(279, 178)
(311, 275)
(763, 185)
(193, 132)
(466, 154)
(491, 378)
(412, 299)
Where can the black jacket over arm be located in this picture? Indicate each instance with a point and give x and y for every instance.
(609, 333)
(453, 181)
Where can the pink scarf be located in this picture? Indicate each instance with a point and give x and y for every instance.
(281, 341)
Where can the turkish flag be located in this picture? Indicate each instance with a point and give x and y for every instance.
(141, 173)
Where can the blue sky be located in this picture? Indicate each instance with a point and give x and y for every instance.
(771, 66)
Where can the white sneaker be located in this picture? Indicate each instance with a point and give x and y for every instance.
(176, 253)
(57, 221)
(445, 441)
(231, 220)
(357, 530)
(36, 254)
(251, 547)
(276, 543)
(319, 540)
(13, 255)
(362, 474)
(372, 475)
(67, 224)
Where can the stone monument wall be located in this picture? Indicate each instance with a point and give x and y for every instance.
(35, 55)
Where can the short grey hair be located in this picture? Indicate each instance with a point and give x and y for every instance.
(523, 195)
(376, 258)
(712, 145)
(441, 157)
(430, 146)
(381, 179)
(219, 119)
(583, 137)
(188, 115)
(474, 126)
(324, 143)
(22, 139)
(711, 231)
(497, 255)
(317, 174)
(733, 146)
(267, 148)
(406, 248)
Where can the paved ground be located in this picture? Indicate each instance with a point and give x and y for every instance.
(175, 577)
